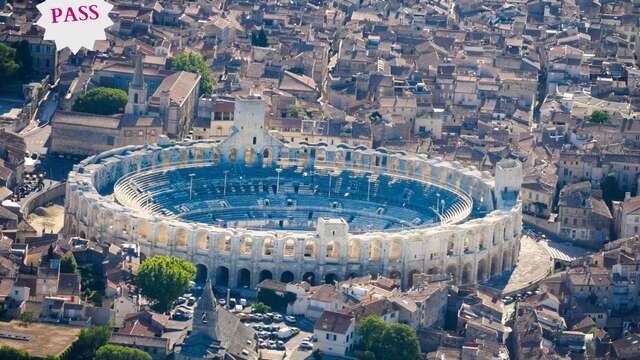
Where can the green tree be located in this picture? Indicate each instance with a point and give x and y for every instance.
(317, 354)
(260, 308)
(398, 341)
(388, 342)
(68, 264)
(363, 355)
(101, 101)
(9, 353)
(113, 352)
(297, 111)
(370, 330)
(93, 282)
(88, 342)
(8, 65)
(162, 279)
(195, 63)
(610, 190)
(23, 59)
(27, 317)
(297, 70)
(599, 117)
(259, 38)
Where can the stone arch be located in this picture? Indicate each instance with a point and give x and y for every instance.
(451, 245)
(395, 274)
(496, 234)
(289, 249)
(163, 234)
(309, 249)
(246, 246)
(333, 250)
(484, 243)
(494, 265)
(83, 208)
(266, 154)
(126, 225)
(268, 247)
(201, 274)
(375, 250)
(244, 278)
(202, 240)
(467, 245)
(453, 271)
(222, 276)
(182, 237)
(331, 278)
(83, 235)
(250, 156)
(233, 155)
(395, 250)
(354, 249)
(224, 244)
(410, 277)
(264, 275)
(309, 277)
(481, 273)
(143, 229)
(466, 277)
(287, 277)
(433, 271)
(506, 261)
(107, 219)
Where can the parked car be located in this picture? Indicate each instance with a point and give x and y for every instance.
(290, 319)
(243, 302)
(285, 333)
(222, 302)
(277, 317)
(305, 345)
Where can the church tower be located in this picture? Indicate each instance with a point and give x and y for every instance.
(205, 314)
(137, 104)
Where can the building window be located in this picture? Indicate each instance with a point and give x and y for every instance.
(110, 140)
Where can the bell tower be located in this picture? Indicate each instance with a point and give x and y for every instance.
(137, 104)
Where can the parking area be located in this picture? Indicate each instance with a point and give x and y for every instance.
(280, 336)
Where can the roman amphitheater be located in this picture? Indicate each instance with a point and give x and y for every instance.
(254, 207)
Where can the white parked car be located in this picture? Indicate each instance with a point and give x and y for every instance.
(305, 345)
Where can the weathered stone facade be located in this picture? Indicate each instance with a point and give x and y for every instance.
(471, 250)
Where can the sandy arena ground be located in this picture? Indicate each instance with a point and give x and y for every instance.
(47, 218)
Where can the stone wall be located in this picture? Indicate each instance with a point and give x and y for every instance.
(471, 251)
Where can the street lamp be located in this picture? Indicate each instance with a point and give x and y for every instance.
(224, 190)
(279, 170)
(329, 186)
(191, 185)
(438, 203)
(368, 187)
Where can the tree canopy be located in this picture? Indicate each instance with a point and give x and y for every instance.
(259, 38)
(162, 279)
(24, 59)
(193, 62)
(610, 190)
(388, 341)
(113, 352)
(599, 117)
(260, 308)
(101, 101)
(8, 66)
(68, 263)
(9, 353)
(88, 342)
